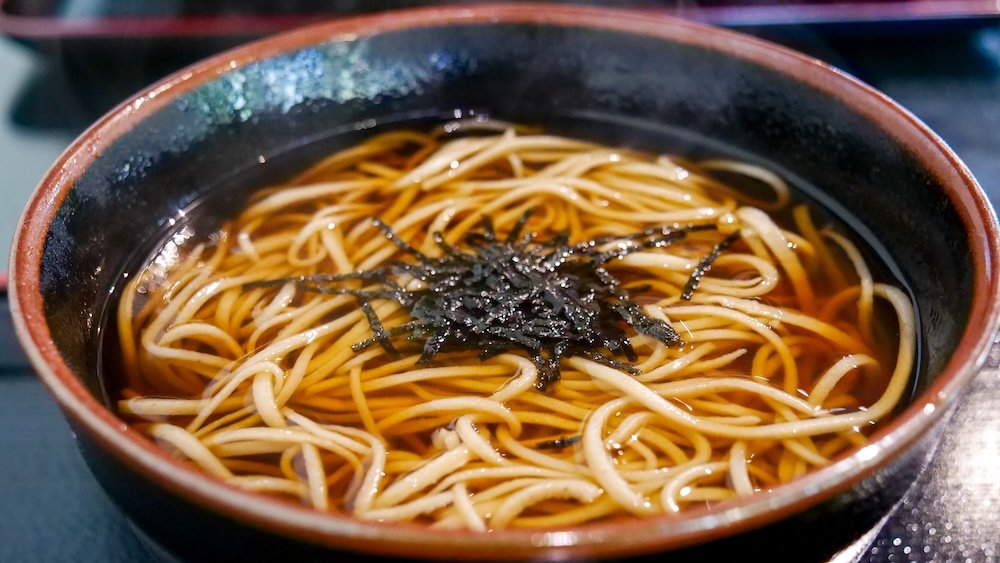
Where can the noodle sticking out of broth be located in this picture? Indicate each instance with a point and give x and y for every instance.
(282, 357)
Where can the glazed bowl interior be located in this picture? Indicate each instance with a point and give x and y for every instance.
(191, 148)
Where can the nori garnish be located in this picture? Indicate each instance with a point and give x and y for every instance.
(547, 298)
(705, 264)
(558, 443)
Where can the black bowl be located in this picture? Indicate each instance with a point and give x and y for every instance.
(199, 140)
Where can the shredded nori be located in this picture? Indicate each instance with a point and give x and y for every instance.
(705, 265)
(547, 298)
(558, 443)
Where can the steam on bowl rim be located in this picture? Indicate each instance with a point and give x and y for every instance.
(137, 452)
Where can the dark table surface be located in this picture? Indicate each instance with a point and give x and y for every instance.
(51, 509)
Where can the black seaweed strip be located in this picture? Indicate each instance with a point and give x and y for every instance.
(392, 237)
(705, 264)
(377, 329)
(519, 226)
(558, 443)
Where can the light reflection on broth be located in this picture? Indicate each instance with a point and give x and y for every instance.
(791, 350)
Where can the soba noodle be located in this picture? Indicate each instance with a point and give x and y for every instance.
(791, 351)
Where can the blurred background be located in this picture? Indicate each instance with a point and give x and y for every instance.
(63, 63)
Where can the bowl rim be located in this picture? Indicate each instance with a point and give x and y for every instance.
(139, 454)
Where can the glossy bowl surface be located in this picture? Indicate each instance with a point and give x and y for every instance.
(211, 131)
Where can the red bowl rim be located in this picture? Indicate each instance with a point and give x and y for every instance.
(135, 451)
